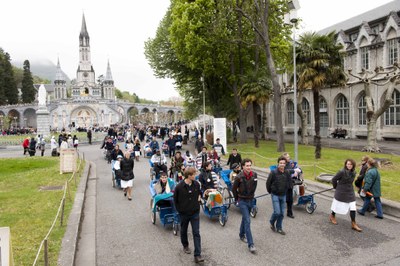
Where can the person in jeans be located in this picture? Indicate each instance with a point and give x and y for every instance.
(187, 196)
(372, 184)
(278, 183)
(244, 187)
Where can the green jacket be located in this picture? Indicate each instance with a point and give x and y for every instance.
(372, 182)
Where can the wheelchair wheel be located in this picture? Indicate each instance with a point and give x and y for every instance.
(151, 203)
(310, 207)
(151, 174)
(153, 217)
(253, 212)
(175, 228)
(222, 219)
(227, 197)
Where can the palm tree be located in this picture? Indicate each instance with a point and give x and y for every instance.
(255, 93)
(319, 66)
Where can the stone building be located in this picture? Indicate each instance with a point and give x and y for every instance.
(370, 40)
(87, 102)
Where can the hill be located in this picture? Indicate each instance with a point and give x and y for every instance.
(43, 68)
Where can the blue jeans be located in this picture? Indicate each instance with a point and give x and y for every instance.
(278, 203)
(195, 223)
(245, 207)
(378, 205)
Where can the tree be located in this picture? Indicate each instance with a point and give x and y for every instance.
(392, 78)
(7, 81)
(27, 89)
(319, 66)
(3, 99)
(195, 40)
(266, 18)
(256, 92)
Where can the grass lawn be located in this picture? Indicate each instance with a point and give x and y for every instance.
(29, 211)
(332, 161)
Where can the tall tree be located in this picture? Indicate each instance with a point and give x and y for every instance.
(256, 92)
(319, 66)
(3, 99)
(266, 18)
(27, 89)
(8, 84)
(392, 79)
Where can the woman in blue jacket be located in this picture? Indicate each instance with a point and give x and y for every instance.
(372, 189)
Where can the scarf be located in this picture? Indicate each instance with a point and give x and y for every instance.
(248, 176)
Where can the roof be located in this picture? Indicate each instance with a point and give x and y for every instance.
(371, 15)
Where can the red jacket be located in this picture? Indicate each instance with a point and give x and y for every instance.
(25, 143)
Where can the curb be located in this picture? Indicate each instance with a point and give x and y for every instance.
(70, 239)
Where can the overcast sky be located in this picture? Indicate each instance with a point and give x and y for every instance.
(47, 29)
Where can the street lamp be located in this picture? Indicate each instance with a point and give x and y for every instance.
(292, 18)
(15, 121)
(204, 110)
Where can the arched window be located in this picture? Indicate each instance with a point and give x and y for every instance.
(342, 111)
(290, 112)
(305, 105)
(364, 53)
(362, 111)
(392, 115)
(392, 46)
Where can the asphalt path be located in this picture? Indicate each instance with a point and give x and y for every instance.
(125, 234)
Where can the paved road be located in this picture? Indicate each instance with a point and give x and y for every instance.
(126, 236)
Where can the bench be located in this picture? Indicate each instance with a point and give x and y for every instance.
(391, 137)
(361, 135)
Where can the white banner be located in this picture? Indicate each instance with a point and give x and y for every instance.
(220, 131)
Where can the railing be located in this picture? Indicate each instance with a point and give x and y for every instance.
(60, 212)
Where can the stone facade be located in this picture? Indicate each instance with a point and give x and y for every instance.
(370, 40)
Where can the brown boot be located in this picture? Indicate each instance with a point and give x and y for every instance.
(354, 226)
(332, 218)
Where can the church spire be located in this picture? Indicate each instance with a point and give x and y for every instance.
(59, 73)
(84, 32)
(108, 74)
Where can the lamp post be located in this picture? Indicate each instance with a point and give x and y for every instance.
(204, 110)
(292, 17)
(15, 121)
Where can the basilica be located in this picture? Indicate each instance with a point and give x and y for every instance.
(87, 102)
(91, 102)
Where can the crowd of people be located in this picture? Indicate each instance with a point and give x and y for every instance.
(176, 180)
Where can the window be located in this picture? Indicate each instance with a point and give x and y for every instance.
(392, 115)
(364, 57)
(290, 112)
(342, 111)
(362, 111)
(393, 51)
(323, 113)
(306, 110)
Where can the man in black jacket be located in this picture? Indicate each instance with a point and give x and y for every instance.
(244, 187)
(277, 185)
(186, 200)
(234, 157)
